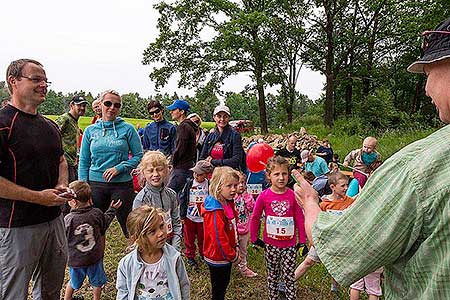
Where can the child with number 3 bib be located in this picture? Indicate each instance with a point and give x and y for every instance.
(284, 227)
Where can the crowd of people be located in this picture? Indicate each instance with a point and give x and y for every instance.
(178, 190)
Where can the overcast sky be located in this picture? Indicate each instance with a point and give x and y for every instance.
(96, 45)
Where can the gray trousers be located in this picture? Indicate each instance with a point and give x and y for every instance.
(37, 253)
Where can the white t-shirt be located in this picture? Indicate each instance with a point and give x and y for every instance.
(153, 284)
(197, 195)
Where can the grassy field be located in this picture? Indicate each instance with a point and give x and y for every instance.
(84, 122)
(314, 285)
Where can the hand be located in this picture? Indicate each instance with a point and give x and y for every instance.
(135, 172)
(109, 174)
(301, 249)
(239, 259)
(50, 197)
(304, 192)
(259, 243)
(116, 204)
(209, 159)
(345, 164)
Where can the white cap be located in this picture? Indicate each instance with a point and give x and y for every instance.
(220, 108)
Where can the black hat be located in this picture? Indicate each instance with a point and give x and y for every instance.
(78, 100)
(436, 47)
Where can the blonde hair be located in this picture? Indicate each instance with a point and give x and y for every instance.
(218, 179)
(104, 93)
(276, 160)
(140, 221)
(333, 178)
(154, 159)
(82, 190)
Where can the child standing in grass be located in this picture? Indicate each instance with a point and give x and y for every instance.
(155, 168)
(219, 225)
(196, 190)
(284, 221)
(335, 203)
(154, 269)
(85, 231)
(244, 203)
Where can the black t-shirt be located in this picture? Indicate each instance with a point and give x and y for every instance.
(294, 158)
(30, 151)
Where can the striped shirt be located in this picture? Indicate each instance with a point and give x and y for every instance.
(400, 221)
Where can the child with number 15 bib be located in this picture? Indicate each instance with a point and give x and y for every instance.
(284, 228)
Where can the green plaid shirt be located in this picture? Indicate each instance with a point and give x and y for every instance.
(399, 221)
(70, 134)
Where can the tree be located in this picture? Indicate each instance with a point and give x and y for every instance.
(208, 41)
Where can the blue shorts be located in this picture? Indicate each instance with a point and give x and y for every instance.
(95, 273)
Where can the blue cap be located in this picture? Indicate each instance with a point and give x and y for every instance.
(180, 104)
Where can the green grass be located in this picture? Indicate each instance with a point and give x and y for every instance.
(84, 122)
(315, 284)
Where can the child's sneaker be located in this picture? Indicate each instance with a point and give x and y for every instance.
(191, 262)
(248, 273)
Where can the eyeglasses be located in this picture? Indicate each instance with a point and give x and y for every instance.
(429, 35)
(109, 104)
(155, 112)
(37, 80)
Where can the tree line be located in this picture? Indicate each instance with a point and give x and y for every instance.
(361, 46)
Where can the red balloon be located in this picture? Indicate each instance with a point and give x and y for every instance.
(257, 157)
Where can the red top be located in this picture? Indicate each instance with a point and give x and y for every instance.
(217, 151)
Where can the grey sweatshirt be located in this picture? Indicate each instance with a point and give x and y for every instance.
(166, 199)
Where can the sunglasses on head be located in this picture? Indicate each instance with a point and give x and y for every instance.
(155, 112)
(429, 35)
(109, 104)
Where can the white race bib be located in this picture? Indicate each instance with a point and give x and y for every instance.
(280, 228)
(168, 221)
(254, 188)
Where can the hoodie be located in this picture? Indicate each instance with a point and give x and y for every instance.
(106, 144)
(219, 227)
(131, 268)
(185, 152)
(166, 199)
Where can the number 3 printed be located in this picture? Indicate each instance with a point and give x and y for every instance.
(89, 240)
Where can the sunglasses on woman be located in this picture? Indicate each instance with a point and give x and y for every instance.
(109, 104)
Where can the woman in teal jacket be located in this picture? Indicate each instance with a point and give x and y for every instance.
(110, 149)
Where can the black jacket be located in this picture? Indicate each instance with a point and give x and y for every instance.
(233, 152)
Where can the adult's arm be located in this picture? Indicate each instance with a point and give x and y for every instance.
(172, 136)
(135, 145)
(63, 177)
(12, 191)
(85, 156)
(146, 138)
(236, 155)
(351, 156)
(382, 225)
(307, 198)
(205, 150)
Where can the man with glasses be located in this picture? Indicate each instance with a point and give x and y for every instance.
(401, 218)
(70, 133)
(33, 176)
(160, 134)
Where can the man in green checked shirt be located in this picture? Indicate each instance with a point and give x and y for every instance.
(70, 133)
(401, 218)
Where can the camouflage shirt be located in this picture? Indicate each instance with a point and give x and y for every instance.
(70, 133)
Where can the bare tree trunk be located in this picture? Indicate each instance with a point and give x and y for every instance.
(261, 97)
(329, 95)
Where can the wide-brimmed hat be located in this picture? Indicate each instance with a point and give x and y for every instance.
(436, 47)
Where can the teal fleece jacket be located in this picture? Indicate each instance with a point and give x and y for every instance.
(107, 144)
